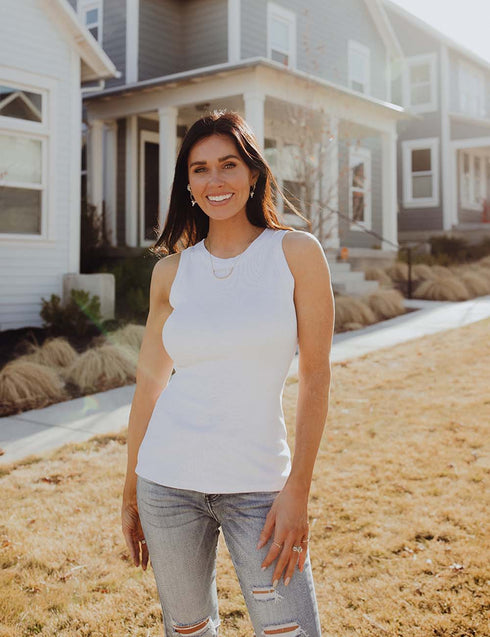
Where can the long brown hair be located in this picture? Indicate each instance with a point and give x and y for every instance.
(186, 225)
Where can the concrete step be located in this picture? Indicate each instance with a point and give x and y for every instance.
(355, 288)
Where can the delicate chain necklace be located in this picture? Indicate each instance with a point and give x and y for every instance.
(238, 257)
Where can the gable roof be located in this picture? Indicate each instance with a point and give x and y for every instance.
(435, 33)
(383, 24)
(96, 64)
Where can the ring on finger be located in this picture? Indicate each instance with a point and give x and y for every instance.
(297, 549)
(277, 544)
(305, 541)
(143, 541)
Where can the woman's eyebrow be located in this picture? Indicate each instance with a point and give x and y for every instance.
(220, 159)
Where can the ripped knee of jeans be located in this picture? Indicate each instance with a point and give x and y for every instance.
(290, 629)
(202, 628)
(265, 594)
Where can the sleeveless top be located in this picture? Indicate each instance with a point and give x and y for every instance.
(218, 426)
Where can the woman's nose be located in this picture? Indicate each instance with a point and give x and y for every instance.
(215, 177)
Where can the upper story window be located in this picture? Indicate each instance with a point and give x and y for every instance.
(281, 35)
(420, 84)
(471, 90)
(90, 12)
(24, 155)
(420, 160)
(359, 67)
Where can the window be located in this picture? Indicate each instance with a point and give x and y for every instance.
(24, 140)
(90, 12)
(471, 91)
(359, 62)
(360, 188)
(474, 175)
(421, 173)
(420, 83)
(281, 35)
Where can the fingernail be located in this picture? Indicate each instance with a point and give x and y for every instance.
(259, 545)
(275, 583)
(263, 568)
(288, 579)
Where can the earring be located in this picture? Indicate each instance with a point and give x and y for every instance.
(252, 190)
(193, 201)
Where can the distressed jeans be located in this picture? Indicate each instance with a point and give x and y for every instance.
(181, 529)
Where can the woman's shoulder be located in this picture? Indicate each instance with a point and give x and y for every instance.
(303, 252)
(164, 272)
(300, 241)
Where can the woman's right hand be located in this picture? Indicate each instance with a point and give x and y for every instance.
(133, 533)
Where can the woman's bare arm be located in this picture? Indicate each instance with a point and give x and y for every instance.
(152, 375)
(288, 518)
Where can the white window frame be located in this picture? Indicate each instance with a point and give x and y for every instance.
(276, 12)
(83, 7)
(356, 154)
(431, 143)
(40, 131)
(475, 199)
(154, 138)
(356, 47)
(417, 60)
(468, 73)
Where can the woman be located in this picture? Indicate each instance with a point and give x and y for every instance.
(236, 294)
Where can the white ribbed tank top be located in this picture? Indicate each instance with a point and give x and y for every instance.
(218, 426)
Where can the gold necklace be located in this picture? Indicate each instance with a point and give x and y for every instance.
(237, 257)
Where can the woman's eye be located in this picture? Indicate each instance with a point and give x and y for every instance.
(199, 170)
(230, 165)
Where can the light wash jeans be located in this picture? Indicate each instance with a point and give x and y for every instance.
(181, 529)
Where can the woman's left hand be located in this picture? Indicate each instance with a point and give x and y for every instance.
(287, 524)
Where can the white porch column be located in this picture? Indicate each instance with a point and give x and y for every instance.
(389, 196)
(95, 164)
(329, 195)
(449, 206)
(132, 181)
(254, 114)
(110, 182)
(167, 155)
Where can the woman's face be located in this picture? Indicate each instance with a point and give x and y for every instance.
(220, 180)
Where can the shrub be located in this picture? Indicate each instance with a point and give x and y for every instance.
(377, 274)
(28, 385)
(422, 272)
(446, 288)
(441, 271)
(476, 283)
(54, 352)
(454, 248)
(131, 336)
(398, 271)
(81, 313)
(103, 368)
(351, 310)
(133, 276)
(385, 304)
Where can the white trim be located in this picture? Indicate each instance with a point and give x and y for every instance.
(73, 258)
(431, 143)
(473, 142)
(275, 11)
(110, 180)
(132, 40)
(389, 193)
(468, 73)
(234, 35)
(254, 114)
(43, 131)
(447, 202)
(167, 117)
(357, 154)
(356, 47)
(473, 201)
(418, 60)
(153, 137)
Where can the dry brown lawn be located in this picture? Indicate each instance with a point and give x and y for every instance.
(399, 512)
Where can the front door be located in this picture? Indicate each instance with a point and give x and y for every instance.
(149, 171)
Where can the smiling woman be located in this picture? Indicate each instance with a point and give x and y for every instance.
(237, 293)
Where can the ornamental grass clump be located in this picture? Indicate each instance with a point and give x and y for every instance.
(398, 271)
(385, 304)
(377, 274)
(55, 352)
(25, 384)
(476, 283)
(441, 271)
(349, 311)
(130, 335)
(422, 272)
(103, 368)
(442, 288)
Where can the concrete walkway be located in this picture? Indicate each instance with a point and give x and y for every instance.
(40, 430)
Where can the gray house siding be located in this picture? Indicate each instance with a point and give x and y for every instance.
(467, 130)
(323, 30)
(413, 40)
(358, 238)
(160, 38)
(206, 33)
(114, 37)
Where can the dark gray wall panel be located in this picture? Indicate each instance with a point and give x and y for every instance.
(160, 37)
(114, 37)
(413, 40)
(205, 32)
(467, 130)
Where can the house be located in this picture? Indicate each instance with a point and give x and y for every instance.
(444, 151)
(44, 55)
(312, 78)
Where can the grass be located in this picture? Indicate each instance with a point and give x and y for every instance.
(398, 513)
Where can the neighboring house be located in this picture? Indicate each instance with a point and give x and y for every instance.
(443, 153)
(311, 77)
(44, 56)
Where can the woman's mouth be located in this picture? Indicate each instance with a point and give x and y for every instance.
(219, 198)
